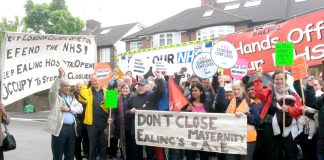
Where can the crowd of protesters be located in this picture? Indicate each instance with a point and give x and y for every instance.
(266, 107)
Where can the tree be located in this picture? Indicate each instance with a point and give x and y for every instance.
(53, 18)
(12, 26)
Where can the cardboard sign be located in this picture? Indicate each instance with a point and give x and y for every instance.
(299, 68)
(104, 73)
(240, 69)
(203, 66)
(284, 54)
(111, 98)
(224, 54)
(211, 132)
(30, 62)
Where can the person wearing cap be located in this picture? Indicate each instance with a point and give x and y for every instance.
(61, 120)
(228, 90)
(144, 100)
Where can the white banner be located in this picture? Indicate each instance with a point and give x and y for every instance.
(169, 59)
(30, 62)
(212, 132)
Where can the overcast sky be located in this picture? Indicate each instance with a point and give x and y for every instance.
(110, 12)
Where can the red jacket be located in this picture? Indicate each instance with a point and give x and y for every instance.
(265, 95)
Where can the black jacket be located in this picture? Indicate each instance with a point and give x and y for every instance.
(317, 103)
(146, 101)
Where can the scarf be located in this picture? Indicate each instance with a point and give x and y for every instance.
(122, 125)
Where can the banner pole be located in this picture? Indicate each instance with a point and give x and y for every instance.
(284, 101)
(109, 128)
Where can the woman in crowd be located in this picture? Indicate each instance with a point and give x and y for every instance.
(122, 122)
(317, 102)
(240, 104)
(198, 103)
(5, 119)
(278, 140)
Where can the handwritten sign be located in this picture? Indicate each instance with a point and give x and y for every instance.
(284, 54)
(111, 98)
(224, 54)
(299, 68)
(139, 65)
(203, 66)
(30, 62)
(212, 132)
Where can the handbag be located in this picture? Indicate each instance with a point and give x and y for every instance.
(9, 142)
(78, 125)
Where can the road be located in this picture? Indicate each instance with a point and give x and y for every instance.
(33, 142)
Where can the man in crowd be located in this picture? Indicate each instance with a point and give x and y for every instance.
(61, 120)
(83, 137)
(96, 117)
(145, 100)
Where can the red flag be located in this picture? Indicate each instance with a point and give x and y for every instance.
(177, 100)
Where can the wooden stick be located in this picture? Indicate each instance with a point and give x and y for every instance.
(109, 128)
(284, 102)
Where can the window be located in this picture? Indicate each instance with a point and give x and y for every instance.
(208, 13)
(213, 32)
(252, 3)
(134, 46)
(225, 1)
(105, 31)
(165, 39)
(105, 55)
(232, 6)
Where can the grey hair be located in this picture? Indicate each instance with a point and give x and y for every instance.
(64, 81)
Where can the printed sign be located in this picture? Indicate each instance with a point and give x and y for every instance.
(30, 62)
(139, 65)
(239, 70)
(203, 66)
(111, 98)
(211, 132)
(284, 54)
(299, 69)
(224, 54)
(257, 46)
(104, 73)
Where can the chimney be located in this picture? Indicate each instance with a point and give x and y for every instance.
(92, 25)
(207, 2)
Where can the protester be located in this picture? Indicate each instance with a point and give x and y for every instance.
(317, 103)
(5, 120)
(259, 151)
(144, 100)
(122, 123)
(277, 141)
(198, 103)
(96, 117)
(61, 120)
(83, 138)
(208, 89)
(228, 90)
(193, 79)
(240, 104)
(130, 74)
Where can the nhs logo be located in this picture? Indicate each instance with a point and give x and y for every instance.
(187, 56)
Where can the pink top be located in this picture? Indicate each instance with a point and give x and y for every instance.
(198, 108)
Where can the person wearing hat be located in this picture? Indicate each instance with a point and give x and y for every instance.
(144, 100)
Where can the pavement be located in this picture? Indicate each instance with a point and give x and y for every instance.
(36, 116)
